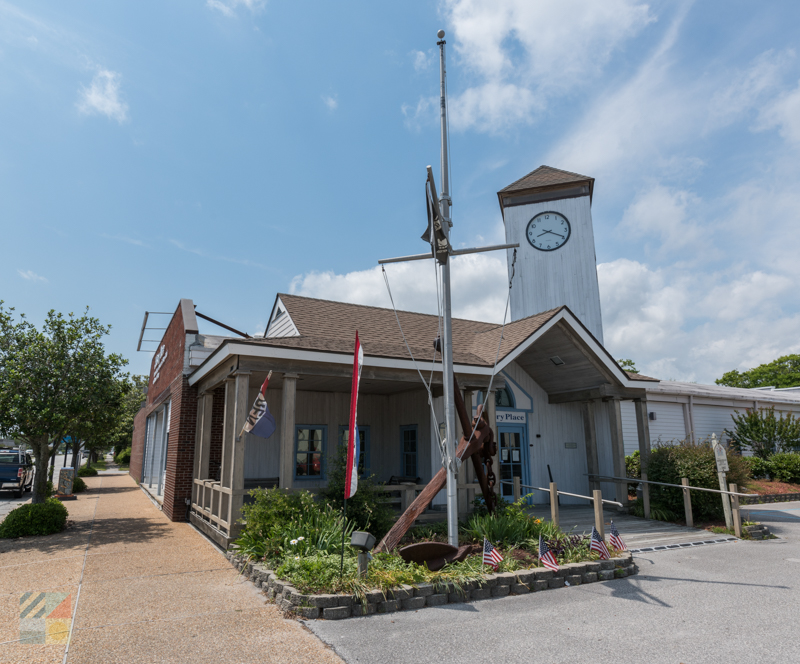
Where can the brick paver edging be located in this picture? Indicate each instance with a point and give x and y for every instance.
(521, 582)
(771, 498)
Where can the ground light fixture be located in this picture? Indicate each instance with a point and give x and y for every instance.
(364, 542)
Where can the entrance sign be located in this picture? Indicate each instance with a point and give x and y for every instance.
(510, 418)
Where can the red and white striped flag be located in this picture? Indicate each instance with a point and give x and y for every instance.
(598, 544)
(615, 539)
(546, 556)
(491, 556)
(353, 439)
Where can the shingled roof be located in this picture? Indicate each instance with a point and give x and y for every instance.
(546, 176)
(330, 327)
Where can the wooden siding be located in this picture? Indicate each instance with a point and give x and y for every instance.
(548, 279)
(669, 423)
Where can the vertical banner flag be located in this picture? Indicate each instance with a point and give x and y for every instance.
(260, 421)
(353, 439)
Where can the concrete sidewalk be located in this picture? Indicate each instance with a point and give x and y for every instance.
(140, 588)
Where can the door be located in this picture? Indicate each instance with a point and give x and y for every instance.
(513, 458)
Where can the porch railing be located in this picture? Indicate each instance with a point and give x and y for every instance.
(210, 502)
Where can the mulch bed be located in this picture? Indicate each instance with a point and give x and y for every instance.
(767, 487)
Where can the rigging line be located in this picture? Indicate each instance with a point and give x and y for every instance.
(499, 343)
(408, 348)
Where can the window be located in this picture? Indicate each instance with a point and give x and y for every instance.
(363, 449)
(503, 398)
(309, 451)
(408, 445)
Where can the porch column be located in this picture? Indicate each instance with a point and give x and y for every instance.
(202, 443)
(242, 385)
(590, 435)
(618, 449)
(287, 430)
(643, 431)
(491, 413)
(225, 473)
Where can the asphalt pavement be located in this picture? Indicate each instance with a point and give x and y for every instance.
(730, 603)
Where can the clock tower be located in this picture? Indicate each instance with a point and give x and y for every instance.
(549, 213)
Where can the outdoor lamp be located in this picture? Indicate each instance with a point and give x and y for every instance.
(363, 542)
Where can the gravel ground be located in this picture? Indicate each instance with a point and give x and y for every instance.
(729, 603)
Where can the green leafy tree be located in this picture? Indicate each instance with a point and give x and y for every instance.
(764, 432)
(52, 381)
(783, 372)
(628, 365)
(133, 399)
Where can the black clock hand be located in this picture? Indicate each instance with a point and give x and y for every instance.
(552, 233)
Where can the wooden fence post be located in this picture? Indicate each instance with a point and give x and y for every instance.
(553, 503)
(645, 495)
(687, 502)
(598, 512)
(517, 489)
(737, 518)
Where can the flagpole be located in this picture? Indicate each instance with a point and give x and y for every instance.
(447, 324)
(344, 527)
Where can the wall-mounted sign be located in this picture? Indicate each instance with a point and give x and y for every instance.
(158, 362)
(509, 418)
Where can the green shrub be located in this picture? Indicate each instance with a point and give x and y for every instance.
(508, 526)
(123, 458)
(78, 485)
(669, 463)
(633, 468)
(87, 471)
(785, 467)
(759, 468)
(39, 519)
(367, 509)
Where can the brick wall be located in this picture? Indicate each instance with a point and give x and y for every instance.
(217, 421)
(180, 451)
(137, 446)
(173, 341)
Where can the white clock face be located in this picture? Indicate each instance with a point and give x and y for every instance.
(548, 231)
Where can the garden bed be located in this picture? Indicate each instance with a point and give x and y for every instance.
(771, 491)
(412, 597)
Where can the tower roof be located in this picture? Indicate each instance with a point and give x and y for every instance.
(542, 181)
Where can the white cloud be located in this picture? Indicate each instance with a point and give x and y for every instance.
(30, 275)
(784, 114)
(330, 101)
(663, 214)
(479, 286)
(425, 113)
(422, 60)
(103, 97)
(228, 7)
(533, 48)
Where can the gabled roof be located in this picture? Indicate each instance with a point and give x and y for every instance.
(545, 176)
(328, 326)
(544, 184)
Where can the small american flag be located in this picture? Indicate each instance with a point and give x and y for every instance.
(598, 544)
(491, 556)
(546, 556)
(615, 539)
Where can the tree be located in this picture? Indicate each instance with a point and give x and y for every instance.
(628, 365)
(783, 372)
(52, 381)
(132, 401)
(765, 433)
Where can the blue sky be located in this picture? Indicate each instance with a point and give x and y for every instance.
(231, 149)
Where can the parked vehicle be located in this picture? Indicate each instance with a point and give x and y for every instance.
(16, 471)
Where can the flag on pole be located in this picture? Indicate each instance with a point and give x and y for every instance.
(598, 544)
(260, 421)
(491, 556)
(546, 556)
(353, 439)
(615, 539)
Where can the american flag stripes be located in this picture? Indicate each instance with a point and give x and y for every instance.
(546, 556)
(598, 544)
(353, 439)
(491, 556)
(615, 539)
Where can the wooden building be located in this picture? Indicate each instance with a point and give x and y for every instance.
(560, 404)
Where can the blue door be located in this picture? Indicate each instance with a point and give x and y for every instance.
(513, 456)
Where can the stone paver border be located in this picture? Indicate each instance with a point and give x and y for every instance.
(412, 598)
